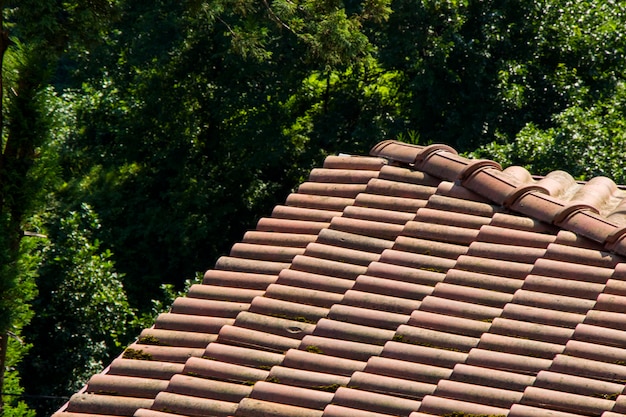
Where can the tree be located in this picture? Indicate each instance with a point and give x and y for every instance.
(17, 344)
(34, 35)
(83, 317)
(22, 132)
(569, 93)
(585, 140)
(207, 114)
(190, 120)
(474, 71)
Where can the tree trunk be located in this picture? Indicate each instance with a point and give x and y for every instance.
(4, 45)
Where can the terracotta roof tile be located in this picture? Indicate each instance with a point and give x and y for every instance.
(210, 308)
(340, 254)
(451, 218)
(440, 405)
(518, 346)
(450, 322)
(193, 406)
(462, 205)
(374, 318)
(504, 361)
(516, 222)
(378, 365)
(408, 176)
(176, 354)
(223, 371)
(540, 315)
(300, 295)
(565, 401)
(293, 329)
(382, 202)
(131, 386)
(423, 354)
(530, 330)
(327, 267)
(288, 310)
(354, 164)
(239, 336)
(620, 404)
(483, 281)
(305, 378)
(372, 401)
(338, 411)
(340, 348)
(207, 388)
(578, 385)
(439, 339)
(474, 295)
(310, 361)
(302, 397)
(321, 191)
(310, 227)
(353, 241)
(149, 369)
(318, 202)
(519, 410)
(231, 279)
(237, 355)
(190, 339)
(325, 175)
(265, 252)
(466, 391)
(304, 279)
(106, 404)
(490, 377)
(223, 293)
(414, 282)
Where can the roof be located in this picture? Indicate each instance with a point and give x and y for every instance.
(411, 282)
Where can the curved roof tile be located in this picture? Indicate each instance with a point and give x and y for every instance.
(413, 282)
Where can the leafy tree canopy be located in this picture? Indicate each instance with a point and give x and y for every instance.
(165, 129)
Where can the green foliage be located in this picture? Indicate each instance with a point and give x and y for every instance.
(18, 346)
(586, 141)
(327, 34)
(476, 71)
(53, 28)
(83, 317)
(172, 127)
(209, 113)
(23, 178)
(190, 125)
(33, 37)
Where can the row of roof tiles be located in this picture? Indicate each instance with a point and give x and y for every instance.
(412, 283)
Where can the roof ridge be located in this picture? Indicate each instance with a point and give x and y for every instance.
(595, 210)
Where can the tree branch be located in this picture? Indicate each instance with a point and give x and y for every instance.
(277, 19)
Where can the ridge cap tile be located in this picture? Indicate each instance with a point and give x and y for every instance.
(452, 167)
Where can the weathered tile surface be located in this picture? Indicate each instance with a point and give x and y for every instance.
(412, 282)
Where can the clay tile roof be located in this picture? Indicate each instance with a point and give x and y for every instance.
(412, 282)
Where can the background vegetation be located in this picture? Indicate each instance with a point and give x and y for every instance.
(119, 114)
